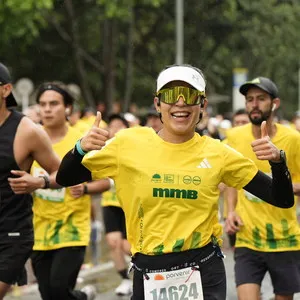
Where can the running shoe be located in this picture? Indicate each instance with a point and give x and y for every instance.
(125, 288)
(90, 291)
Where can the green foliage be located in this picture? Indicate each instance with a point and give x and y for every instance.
(22, 19)
(219, 35)
(121, 9)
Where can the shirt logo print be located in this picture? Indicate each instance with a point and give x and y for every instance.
(204, 164)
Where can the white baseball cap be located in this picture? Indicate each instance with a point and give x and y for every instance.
(181, 73)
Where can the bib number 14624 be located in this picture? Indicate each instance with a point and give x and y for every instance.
(182, 292)
(183, 284)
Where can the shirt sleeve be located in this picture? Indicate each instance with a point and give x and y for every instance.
(103, 163)
(238, 170)
(293, 160)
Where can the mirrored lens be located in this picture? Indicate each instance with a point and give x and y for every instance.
(171, 95)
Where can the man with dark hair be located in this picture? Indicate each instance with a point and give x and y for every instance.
(21, 142)
(240, 117)
(61, 216)
(268, 238)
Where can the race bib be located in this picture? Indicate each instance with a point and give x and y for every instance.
(183, 284)
(54, 195)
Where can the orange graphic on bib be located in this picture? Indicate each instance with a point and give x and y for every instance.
(159, 277)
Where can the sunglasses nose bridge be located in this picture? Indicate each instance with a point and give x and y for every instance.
(181, 99)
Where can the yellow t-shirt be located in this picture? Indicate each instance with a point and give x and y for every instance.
(224, 195)
(91, 120)
(266, 227)
(59, 219)
(169, 192)
(82, 126)
(109, 198)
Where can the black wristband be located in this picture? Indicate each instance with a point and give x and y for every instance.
(85, 188)
(47, 181)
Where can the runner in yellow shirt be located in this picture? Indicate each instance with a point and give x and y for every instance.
(239, 118)
(89, 116)
(61, 216)
(167, 185)
(268, 238)
(76, 122)
(114, 220)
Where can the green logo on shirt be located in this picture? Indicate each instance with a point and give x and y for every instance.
(175, 193)
(156, 178)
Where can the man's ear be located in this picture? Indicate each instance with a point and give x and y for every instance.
(276, 104)
(7, 89)
(68, 110)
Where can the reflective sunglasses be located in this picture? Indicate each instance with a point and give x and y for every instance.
(171, 95)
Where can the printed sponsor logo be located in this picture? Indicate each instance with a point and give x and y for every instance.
(178, 274)
(156, 178)
(204, 164)
(175, 193)
(187, 179)
(159, 277)
(196, 180)
(168, 178)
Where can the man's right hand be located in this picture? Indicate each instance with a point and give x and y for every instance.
(95, 139)
(233, 223)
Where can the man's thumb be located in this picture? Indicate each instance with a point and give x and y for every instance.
(98, 119)
(264, 130)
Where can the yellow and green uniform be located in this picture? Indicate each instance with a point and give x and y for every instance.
(266, 227)
(109, 198)
(59, 219)
(169, 192)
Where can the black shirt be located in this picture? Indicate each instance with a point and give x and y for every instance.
(15, 210)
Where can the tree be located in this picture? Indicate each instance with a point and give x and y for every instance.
(114, 50)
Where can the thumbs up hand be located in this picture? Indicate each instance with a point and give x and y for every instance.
(95, 139)
(264, 148)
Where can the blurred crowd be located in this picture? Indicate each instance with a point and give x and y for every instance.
(213, 125)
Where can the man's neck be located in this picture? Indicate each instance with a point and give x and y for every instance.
(56, 134)
(4, 114)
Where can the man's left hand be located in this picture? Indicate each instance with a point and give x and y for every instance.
(263, 148)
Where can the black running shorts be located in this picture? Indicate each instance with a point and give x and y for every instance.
(283, 267)
(13, 257)
(114, 219)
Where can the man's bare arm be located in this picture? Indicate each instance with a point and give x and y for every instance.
(32, 143)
